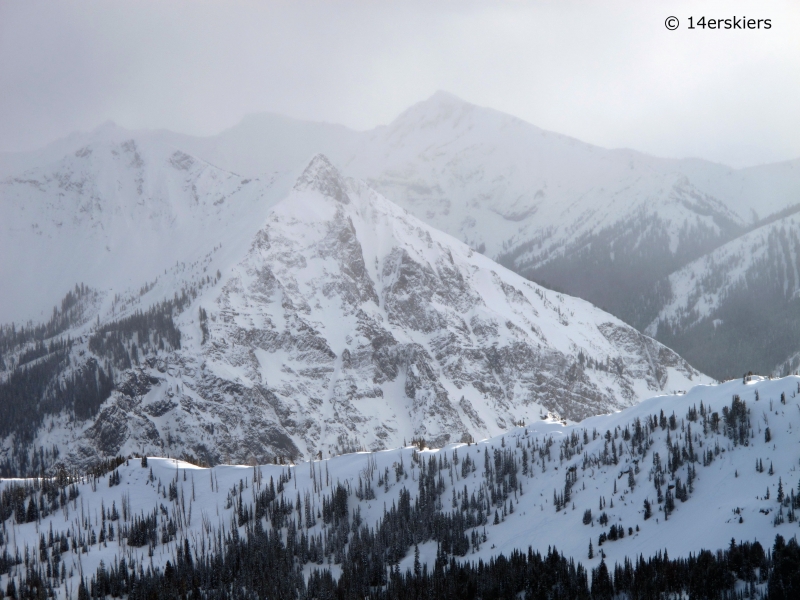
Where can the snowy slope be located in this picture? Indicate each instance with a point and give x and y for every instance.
(114, 212)
(571, 215)
(700, 287)
(750, 285)
(719, 432)
(490, 178)
(349, 323)
(754, 192)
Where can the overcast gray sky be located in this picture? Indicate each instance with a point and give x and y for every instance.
(606, 72)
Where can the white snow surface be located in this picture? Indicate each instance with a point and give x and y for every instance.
(700, 287)
(730, 499)
(345, 322)
(489, 179)
(114, 213)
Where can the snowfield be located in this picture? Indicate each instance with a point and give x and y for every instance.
(532, 486)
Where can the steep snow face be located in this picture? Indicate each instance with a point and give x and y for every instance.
(714, 464)
(606, 225)
(112, 213)
(752, 285)
(494, 180)
(390, 327)
(349, 323)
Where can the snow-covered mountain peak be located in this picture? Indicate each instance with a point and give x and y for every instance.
(445, 97)
(110, 130)
(341, 322)
(440, 107)
(321, 176)
(434, 124)
(113, 209)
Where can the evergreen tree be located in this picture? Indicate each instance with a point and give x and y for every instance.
(602, 588)
(83, 593)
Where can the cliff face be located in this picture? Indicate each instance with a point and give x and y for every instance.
(350, 324)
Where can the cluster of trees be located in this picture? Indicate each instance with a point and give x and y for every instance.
(35, 499)
(36, 357)
(122, 342)
(47, 387)
(48, 376)
(70, 313)
(261, 564)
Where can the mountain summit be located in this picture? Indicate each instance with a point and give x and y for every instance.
(614, 227)
(349, 323)
(321, 176)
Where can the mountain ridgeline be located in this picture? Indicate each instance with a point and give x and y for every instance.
(615, 227)
(346, 324)
(742, 297)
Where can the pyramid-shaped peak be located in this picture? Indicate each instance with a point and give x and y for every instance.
(437, 109)
(441, 102)
(321, 176)
(107, 126)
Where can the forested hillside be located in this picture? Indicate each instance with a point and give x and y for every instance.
(630, 499)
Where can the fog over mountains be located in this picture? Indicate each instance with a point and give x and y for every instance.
(347, 323)
(611, 226)
(232, 284)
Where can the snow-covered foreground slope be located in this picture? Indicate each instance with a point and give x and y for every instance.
(546, 484)
(744, 296)
(347, 324)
